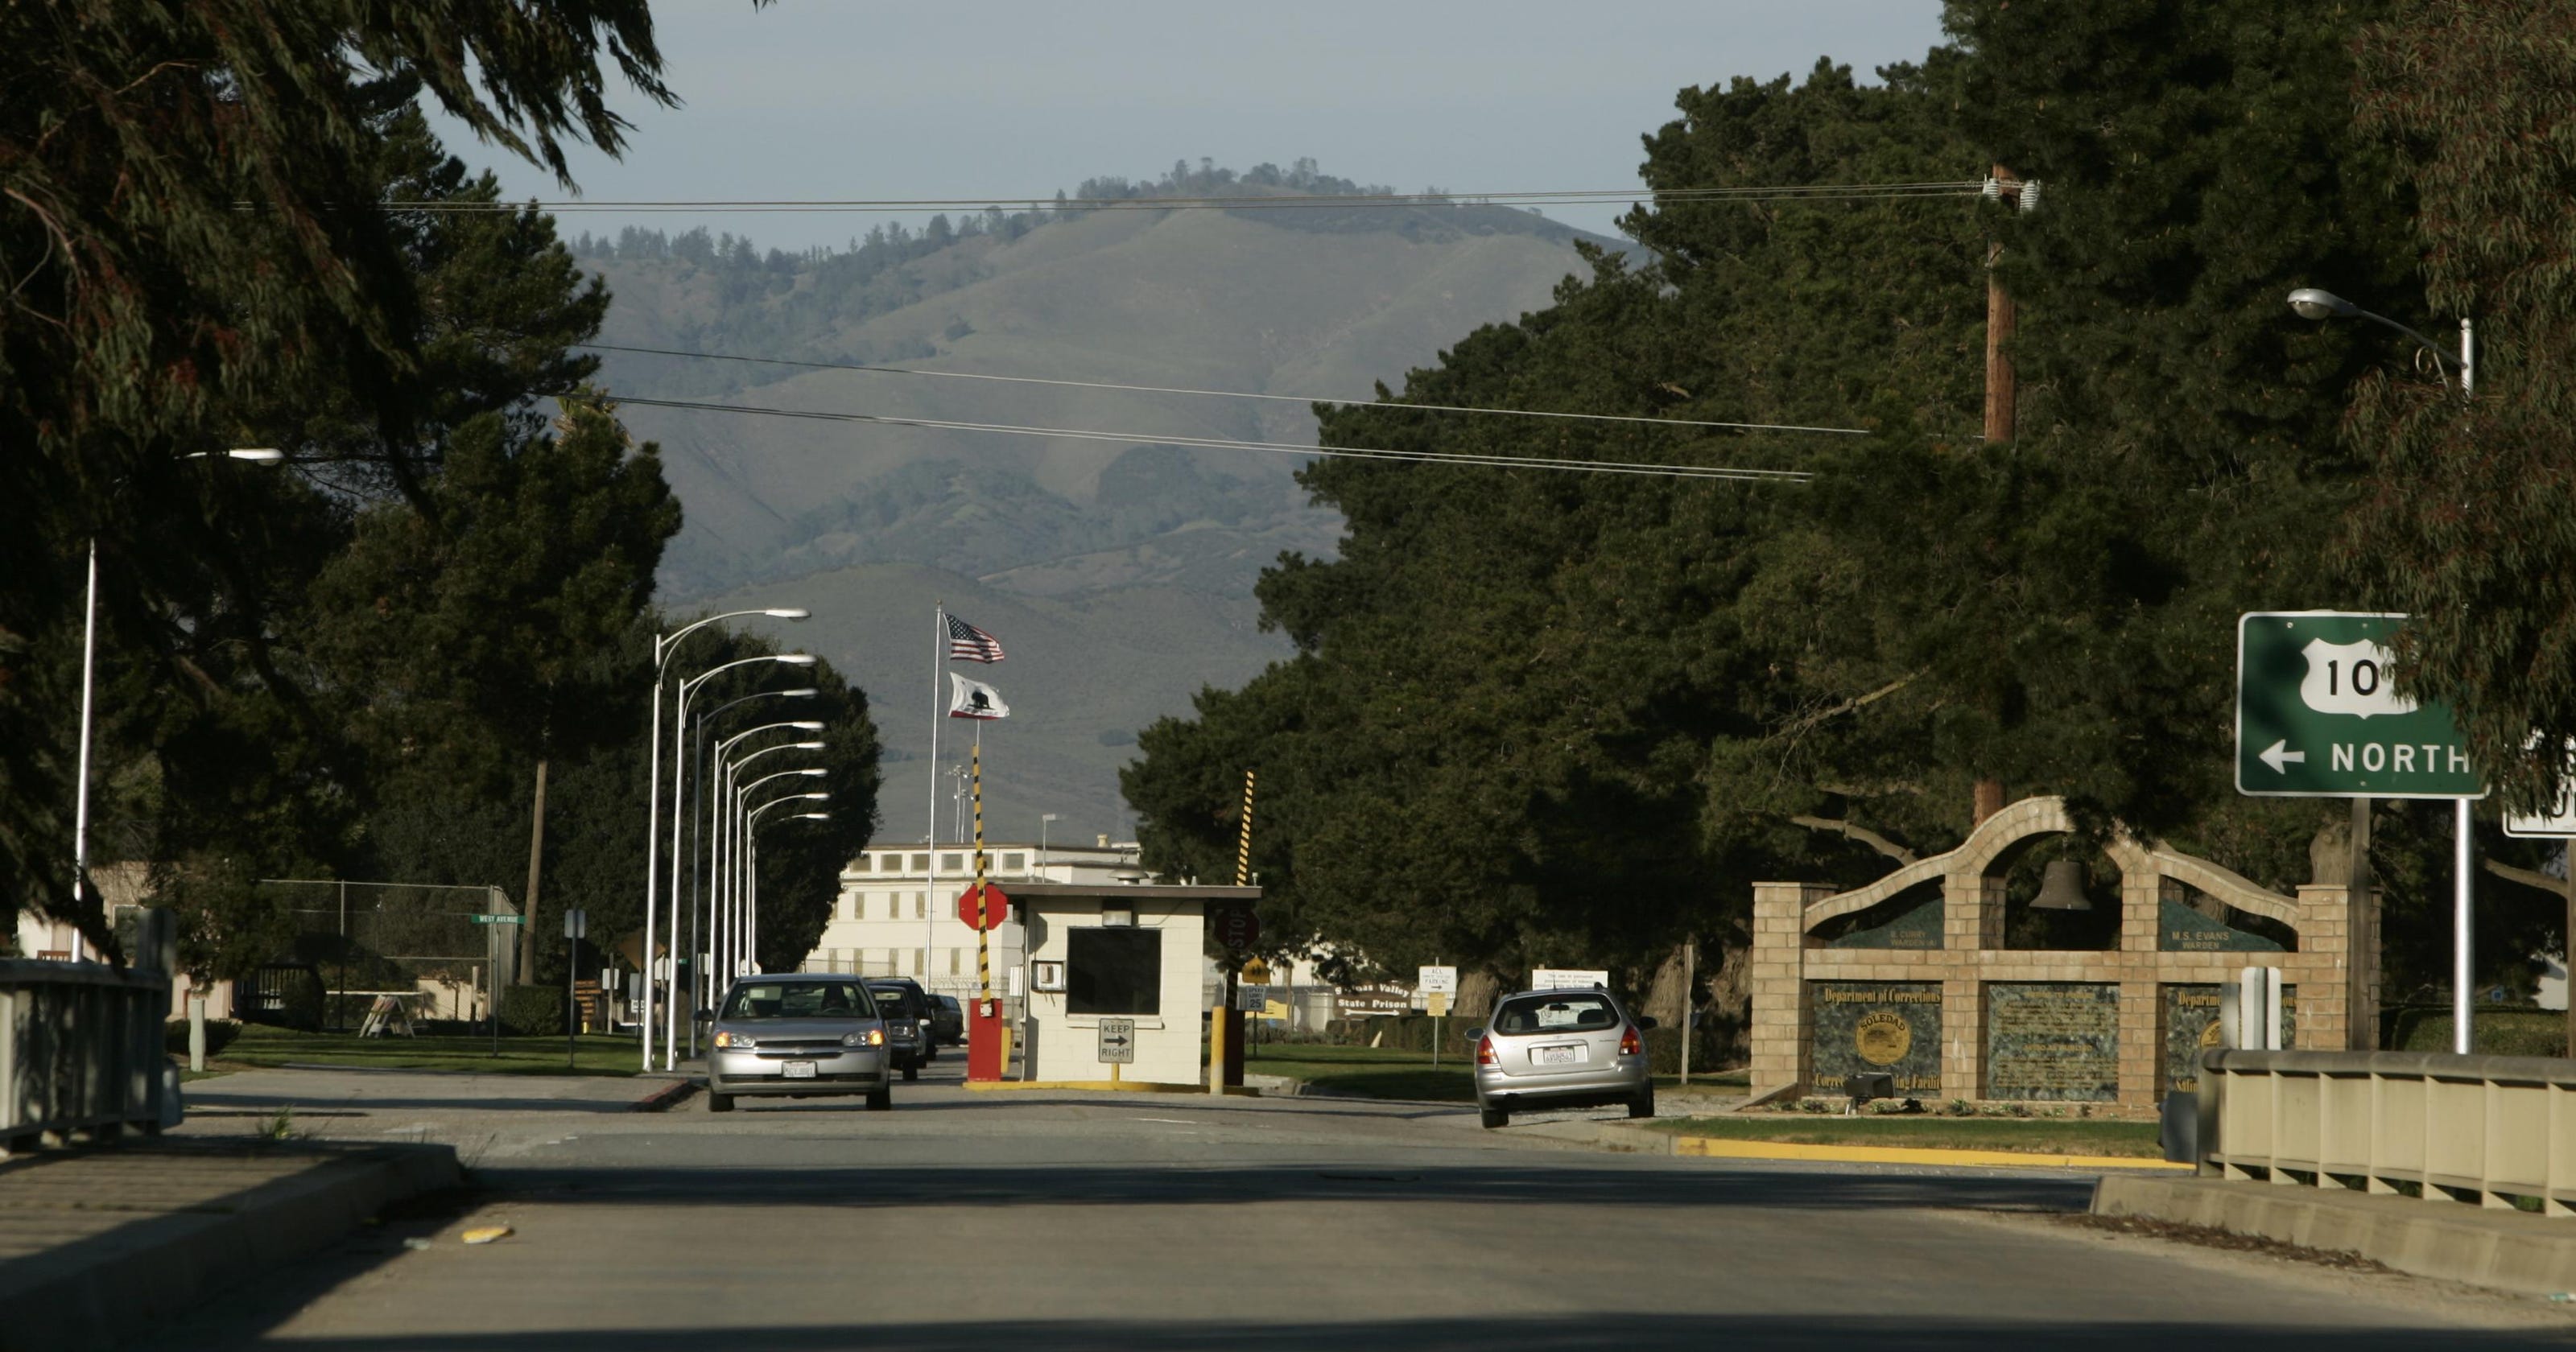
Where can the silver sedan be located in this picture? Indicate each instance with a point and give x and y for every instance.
(1561, 1049)
(798, 1035)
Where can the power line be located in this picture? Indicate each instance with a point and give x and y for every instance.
(1228, 443)
(1259, 202)
(1221, 394)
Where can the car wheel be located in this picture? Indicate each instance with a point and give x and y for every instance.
(880, 1100)
(911, 1073)
(719, 1103)
(1495, 1117)
(1643, 1105)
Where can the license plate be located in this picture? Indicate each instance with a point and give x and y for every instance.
(799, 1070)
(1559, 1056)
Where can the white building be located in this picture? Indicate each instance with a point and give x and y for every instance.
(892, 905)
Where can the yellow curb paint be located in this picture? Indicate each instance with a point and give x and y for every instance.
(1715, 1147)
(1106, 1087)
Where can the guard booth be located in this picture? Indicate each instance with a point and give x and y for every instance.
(1115, 980)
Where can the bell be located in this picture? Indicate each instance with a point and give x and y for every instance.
(2063, 888)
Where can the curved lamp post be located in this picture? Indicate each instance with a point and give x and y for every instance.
(255, 455)
(751, 868)
(731, 928)
(2313, 303)
(679, 819)
(718, 842)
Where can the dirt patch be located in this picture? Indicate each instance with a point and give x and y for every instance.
(2209, 1237)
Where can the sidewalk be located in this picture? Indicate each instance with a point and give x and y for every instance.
(450, 1107)
(98, 1242)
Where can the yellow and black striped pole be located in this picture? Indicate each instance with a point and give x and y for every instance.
(1243, 845)
(983, 920)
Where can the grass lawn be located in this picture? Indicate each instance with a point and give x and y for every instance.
(2043, 1136)
(259, 1045)
(1384, 1072)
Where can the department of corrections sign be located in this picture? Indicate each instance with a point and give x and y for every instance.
(2053, 1040)
(1890, 1026)
(2318, 716)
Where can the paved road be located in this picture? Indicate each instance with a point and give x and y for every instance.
(1153, 1222)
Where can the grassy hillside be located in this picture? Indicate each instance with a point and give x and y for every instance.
(1118, 572)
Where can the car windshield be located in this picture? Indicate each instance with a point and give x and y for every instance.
(799, 1000)
(1556, 1012)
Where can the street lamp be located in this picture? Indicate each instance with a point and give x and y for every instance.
(257, 455)
(661, 652)
(724, 840)
(1043, 819)
(2315, 304)
(663, 646)
(751, 868)
(706, 843)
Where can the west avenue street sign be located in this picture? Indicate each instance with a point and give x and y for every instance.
(2317, 715)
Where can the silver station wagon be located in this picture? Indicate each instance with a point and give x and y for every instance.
(798, 1035)
(1561, 1049)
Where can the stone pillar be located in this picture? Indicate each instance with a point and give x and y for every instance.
(2322, 970)
(1779, 1033)
(2142, 1047)
(1963, 1037)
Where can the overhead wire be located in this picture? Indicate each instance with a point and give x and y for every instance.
(1221, 394)
(1250, 202)
(1676, 471)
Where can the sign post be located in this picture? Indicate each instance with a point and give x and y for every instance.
(1438, 985)
(2318, 716)
(576, 928)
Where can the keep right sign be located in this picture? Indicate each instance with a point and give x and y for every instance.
(2318, 716)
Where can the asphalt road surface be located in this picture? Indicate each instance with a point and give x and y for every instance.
(1149, 1222)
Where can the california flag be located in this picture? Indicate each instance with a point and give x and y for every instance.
(974, 699)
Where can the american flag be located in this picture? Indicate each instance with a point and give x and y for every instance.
(966, 643)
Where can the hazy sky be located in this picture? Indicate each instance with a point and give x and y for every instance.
(1014, 98)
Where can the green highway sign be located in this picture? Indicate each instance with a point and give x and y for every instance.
(2317, 715)
(485, 919)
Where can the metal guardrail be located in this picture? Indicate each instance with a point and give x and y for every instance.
(2483, 1129)
(81, 1043)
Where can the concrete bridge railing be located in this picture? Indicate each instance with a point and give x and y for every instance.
(81, 1043)
(2483, 1129)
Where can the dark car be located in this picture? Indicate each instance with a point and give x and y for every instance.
(905, 1008)
(947, 1021)
(798, 1035)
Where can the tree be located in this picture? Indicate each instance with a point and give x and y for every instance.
(146, 309)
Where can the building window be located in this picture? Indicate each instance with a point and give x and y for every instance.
(953, 956)
(864, 863)
(1113, 971)
(1014, 862)
(952, 863)
(921, 863)
(921, 906)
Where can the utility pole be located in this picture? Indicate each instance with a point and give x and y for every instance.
(2002, 403)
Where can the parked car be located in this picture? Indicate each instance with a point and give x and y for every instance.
(947, 1021)
(798, 1035)
(1561, 1049)
(906, 1008)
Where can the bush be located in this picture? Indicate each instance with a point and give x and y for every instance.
(2495, 1030)
(532, 1011)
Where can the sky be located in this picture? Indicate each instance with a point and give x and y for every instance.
(1017, 98)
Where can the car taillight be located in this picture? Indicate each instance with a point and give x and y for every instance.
(1630, 1044)
(1485, 1051)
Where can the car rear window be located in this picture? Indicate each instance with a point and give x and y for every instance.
(898, 1001)
(1567, 1012)
(800, 1000)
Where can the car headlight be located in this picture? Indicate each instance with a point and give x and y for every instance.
(874, 1037)
(737, 1041)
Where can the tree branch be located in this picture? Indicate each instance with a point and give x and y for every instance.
(1855, 703)
(2527, 877)
(1863, 834)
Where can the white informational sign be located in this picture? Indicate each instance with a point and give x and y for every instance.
(1437, 981)
(1252, 999)
(1566, 978)
(1011, 982)
(1118, 1042)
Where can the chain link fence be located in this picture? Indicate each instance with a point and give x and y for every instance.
(441, 949)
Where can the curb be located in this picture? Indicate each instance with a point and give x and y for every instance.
(664, 1099)
(91, 1293)
(1107, 1087)
(2451, 1241)
(1722, 1147)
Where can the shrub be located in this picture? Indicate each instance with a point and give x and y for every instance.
(532, 1011)
(219, 1035)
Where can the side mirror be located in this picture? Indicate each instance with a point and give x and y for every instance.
(1644, 1022)
(1474, 1033)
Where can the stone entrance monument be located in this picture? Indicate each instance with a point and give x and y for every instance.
(1915, 980)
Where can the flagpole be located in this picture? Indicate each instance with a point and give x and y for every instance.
(938, 711)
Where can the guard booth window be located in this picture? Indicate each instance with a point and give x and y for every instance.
(1113, 971)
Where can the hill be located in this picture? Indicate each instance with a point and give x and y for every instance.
(1119, 571)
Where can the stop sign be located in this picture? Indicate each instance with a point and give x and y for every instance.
(1237, 927)
(997, 907)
